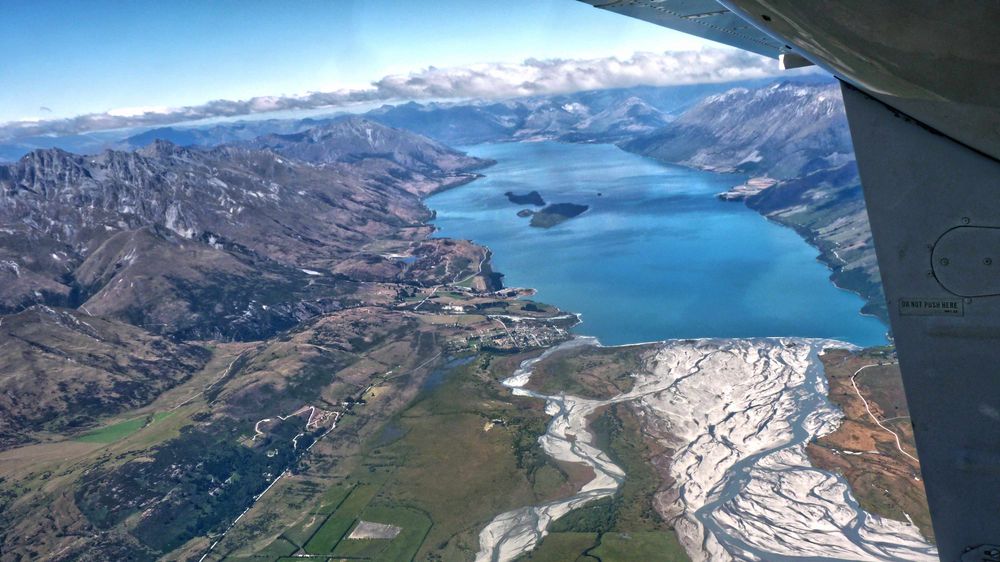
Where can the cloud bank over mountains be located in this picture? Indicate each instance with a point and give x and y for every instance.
(557, 76)
(485, 81)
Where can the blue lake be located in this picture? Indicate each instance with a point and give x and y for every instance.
(656, 256)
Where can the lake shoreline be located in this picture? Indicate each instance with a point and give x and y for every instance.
(506, 176)
(874, 306)
(517, 532)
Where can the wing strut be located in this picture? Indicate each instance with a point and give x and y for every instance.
(934, 208)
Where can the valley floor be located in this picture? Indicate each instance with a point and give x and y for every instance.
(457, 421)
(401, 412)
(731, 421)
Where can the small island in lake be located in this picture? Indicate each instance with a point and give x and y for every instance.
(556, 213)
(525, 213)
(533, 198)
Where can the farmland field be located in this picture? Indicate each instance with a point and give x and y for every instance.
(114, 432)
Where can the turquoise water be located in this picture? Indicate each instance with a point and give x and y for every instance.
(656, 256)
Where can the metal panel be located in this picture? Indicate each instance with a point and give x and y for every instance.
(919, 186)
(938, 62)
(966, 261)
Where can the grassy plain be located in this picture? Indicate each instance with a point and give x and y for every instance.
(415, 525)
(341, 520)
(645, 545)
(114, 432)
(562, 547)
(447, 453)
(590, 372)
(462, 437)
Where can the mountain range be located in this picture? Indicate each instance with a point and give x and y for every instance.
(153, 235)
(241, 240)
(213, 291)
(573, 117)
(792, 133)
(795, 133)
(109, 262)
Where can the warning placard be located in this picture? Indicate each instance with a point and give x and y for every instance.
(931, 307)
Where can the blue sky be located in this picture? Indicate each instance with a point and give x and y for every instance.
(77, 57)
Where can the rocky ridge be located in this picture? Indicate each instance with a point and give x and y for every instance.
(110, 262)
(133, 233)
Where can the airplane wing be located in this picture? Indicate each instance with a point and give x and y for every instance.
(702, 18)
(921, 85)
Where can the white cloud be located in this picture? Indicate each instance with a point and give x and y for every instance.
(490, 81)
(535, 77)
(138, 111)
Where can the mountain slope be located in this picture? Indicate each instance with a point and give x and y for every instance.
(201, 289)
(419, 164)
(783, 130)
(631, 116)
(592, 116)
(566, 118)
(217, 242)
(63, 370)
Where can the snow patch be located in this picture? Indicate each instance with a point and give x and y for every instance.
(175, 222)
(11, 265)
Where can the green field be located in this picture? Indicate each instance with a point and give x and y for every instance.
(341, 520)
(415, 525)
(330, 501)
(646, 546)
(560, 547)
(414, 481)
(279, 548)
(446, 470)
(650, 545)
(120, 430)
(331, 537)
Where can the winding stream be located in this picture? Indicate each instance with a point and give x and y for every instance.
(739, 414)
